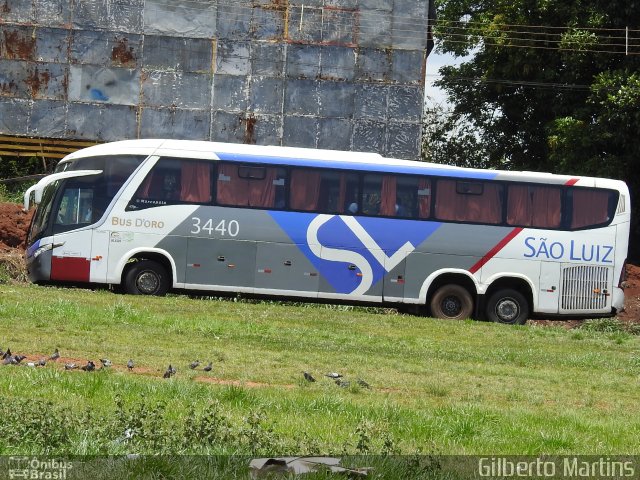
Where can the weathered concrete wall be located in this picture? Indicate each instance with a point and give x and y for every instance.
(339, 74)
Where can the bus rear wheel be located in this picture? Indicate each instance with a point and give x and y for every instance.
(146, 277)
(452, 302)
(508, 306)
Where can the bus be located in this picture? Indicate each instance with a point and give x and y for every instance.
(150, 216)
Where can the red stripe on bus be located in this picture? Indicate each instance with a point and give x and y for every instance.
(492, 253)
(573, 181)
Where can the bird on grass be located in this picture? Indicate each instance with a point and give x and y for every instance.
(89, 367)
(208, 367)
(106, 363)
(55, 355)
(170, 372)
(343, 383)
(7, 354)
(19, 358)
(362, 383)
(130, 365)
(42, 362)
(70, 366)
(194, 365)
(333, 375)
(308, 377)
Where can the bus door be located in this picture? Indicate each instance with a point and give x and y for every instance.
(218, 262)
(71, 256)
(284, 268)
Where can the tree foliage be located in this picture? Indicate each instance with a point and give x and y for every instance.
(548, 86)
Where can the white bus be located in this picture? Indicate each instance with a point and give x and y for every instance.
(149, 216)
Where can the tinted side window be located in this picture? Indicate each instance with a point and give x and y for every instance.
(469, 201)
(251, 186)
(591, 207)
(534, 206)
(174, 180)
(326, 191)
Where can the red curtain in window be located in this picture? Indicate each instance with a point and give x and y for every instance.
(196, 182)
(231, 189)
(519, 206)
(461, 207)
(546, 207)
(447, 200)
(590, 207)
(424, 198)
(388, 203)
(262, 192)
(151, 186)
(305, 190)
(533, 206)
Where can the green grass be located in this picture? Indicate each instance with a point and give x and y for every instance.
(437, 387)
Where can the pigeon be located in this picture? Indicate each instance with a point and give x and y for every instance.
(208, 367)
(333, 375)
(42, 362)
(8, 360)
(31, 364)
(89, 367)
(70, 366)
(170, 371)
(194, 365)
(106, 363)
(19, 358)
(308, 377)
(7, 354)
(130, 364)
(55, 355)
(362, 383)
(342, 383)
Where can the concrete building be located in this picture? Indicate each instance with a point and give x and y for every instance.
(336, 74)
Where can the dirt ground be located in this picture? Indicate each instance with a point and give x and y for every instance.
(14, 224)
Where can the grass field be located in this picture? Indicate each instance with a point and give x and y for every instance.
(436, 387)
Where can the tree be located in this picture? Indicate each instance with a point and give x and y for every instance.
(550, 85)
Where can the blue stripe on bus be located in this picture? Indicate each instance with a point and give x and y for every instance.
(369, 167)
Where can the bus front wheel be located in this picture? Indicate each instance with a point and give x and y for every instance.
(146, 277)
(508, 306)
(452, 302)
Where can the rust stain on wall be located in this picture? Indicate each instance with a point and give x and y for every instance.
(37, 81)
(19, 46)
(250, 129)
(123, 54)
(8, 88)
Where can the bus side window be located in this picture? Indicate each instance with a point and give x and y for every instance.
(590, 207)
(534, 206)
(251, 186)
(175, 180)
(326, 191)
(469, 201)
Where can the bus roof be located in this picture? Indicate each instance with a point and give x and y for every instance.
(308, 157)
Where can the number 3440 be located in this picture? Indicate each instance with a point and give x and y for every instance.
(224, 228)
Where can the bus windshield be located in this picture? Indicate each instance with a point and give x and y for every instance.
(76, 202)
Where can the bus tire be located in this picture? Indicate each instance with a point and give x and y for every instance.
(451, 302)
(146, 277)
(508, 306)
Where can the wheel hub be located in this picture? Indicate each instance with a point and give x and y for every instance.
(451, 306)
(148, 282)
(507, 310)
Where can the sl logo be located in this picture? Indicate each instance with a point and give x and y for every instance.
(374, 245)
